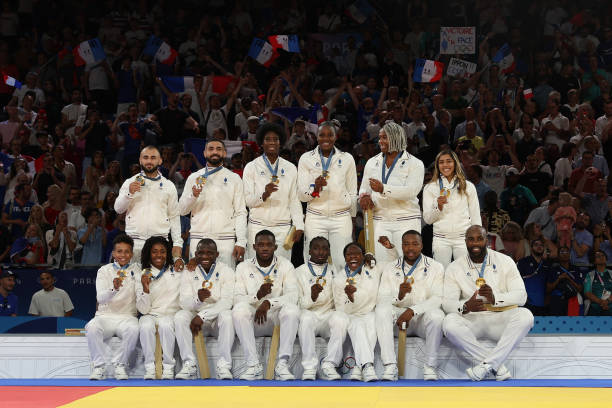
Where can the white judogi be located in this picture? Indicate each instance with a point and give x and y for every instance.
(359, 316)
(116, 314)
(280, 210)
(425, 300)
(329, 215)
(158, 308)
(283, 302)
(508, 328)
(215, 311)
(218, 213)
(317, 318)
(151, 212)
(449, 225)
(396, 209)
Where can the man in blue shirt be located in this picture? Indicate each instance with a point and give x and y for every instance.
(582, 241)
(534, 270)
(564, 283)
(17, 211)
(8, 301)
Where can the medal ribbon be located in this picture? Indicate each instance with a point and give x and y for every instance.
(385, 177)
(208, 173)
(274, 170)
(203, 272)
(414, 265)
(325, 164)
(350, 274)
(313, 272)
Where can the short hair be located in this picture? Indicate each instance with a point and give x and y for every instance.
(207, 241)
(215, 140)
(270, 127)
(350, 244)
(533, 241)
(151, 147)
(49, 271)
(89, 212)
(145, 255)
(477, 169)
(599, 251)
(265, 233)
(123, 239)
(413, 232)
(318, 238)
(19, 188)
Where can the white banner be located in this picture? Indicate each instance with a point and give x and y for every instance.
(457, 40)
(460, 68)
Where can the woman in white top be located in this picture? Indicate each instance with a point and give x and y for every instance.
(450, 203)
(565, 164)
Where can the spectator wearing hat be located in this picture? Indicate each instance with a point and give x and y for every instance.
(8, 300)
(50, 301)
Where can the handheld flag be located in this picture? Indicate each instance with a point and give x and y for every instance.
(160, 50)
(427, 71)
(262, 52)
(528, 94)
(10, 81)
(88, 52)
(288, 43)
(505, 59)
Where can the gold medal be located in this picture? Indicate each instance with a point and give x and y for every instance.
(200, 181)
(320, 281)
(268, 279)
(140, 180)
(480, 282)
(409, 279)
(207, 284)
(148, 272)
(122, 274)
(445, 192)
(274, 179)
(350, 281)
(325, 174)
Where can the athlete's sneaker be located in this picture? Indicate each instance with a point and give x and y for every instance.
(479, 372)
(120, 373)
(149, 372)
(188, 371)
(356, 374)
(390, 373)
(329, 371)
(224, 373)
(429, 373)
(98, 373)
(281, 372)
(369, 374)
(253, 373)
(309, 374)
(168, 372)
(502, 373)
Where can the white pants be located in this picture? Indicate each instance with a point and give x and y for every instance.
(280, 233)
(102, 328)
(165, 327)
(338, 230)
(507, 328)
(325, 325)
(225, 247)
(362, 331)
(287, 316)
(427, 326)
(394, 231)
(220, 327)
(137, 251)
(446, 248)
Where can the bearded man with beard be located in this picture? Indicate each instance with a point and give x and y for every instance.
(150, 202)
(214, 196)
(482, 294)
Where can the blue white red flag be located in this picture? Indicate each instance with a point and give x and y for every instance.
(88, 52)
(427, 70)
(160, 50)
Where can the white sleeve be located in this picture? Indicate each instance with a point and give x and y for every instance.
(431, 212)
(304, 183)
(368, 173)
(252, 197)
(187, 200)
(435, 300)
(452, 302)
(105, 290)
(123, 199)
(411, 189)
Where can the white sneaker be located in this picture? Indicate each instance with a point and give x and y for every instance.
(429, 373)
(188, 371)
(149, 372)
(479, 372)
(356, 374)
(502, 373)
(168, 372)
(369, 374)
(281, 372)
(98, 373)
(253, 373)
(390, 373)
(224, 373)
(329, 371)
(120, 373)
(309, 374)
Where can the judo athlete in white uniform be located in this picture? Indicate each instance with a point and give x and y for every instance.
(157, 298)
(327, 181)
(410, 294)
(215, 198)
(150, 202)
(450, 203)
(482, 294)
(116, 312)
(317, 318)
(266, 295)
(391, 182)
(270, 192)
(355, 293)
(207, 295)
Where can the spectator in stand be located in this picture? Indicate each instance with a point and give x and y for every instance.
(73, 115)
(598, 286)
(535, 271)
(96, 134)
(592, 145)
(564, 165)
(92, 237)
(61, 242)
(582, 241)
(474, 174)
(604, 122)
(93, 174)
(46, 177)
(76, 219)
(50, 301)
(517, 199)
(564, 285)
(55, 204)
(475, 142)
(17, 211)
(565, 217)
(37, 216)
(29, 249)
(584, 178)
(171, 121)
(555, 127)
(512, 238)
(110, 182)
(493, 173)
(601, 239)
(9, 129)
(496, 217)
(534, 179)
(62, 166)
(8, 300)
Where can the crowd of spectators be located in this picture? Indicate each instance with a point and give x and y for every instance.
(71, 135)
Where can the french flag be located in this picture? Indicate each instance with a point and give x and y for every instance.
(527, 94)
(160, 50)
(288, 43)
(262, 52)
(505, 59)
(178, 84)
(427, 70)
(88, 52)
(359, 11)
(10, 81)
